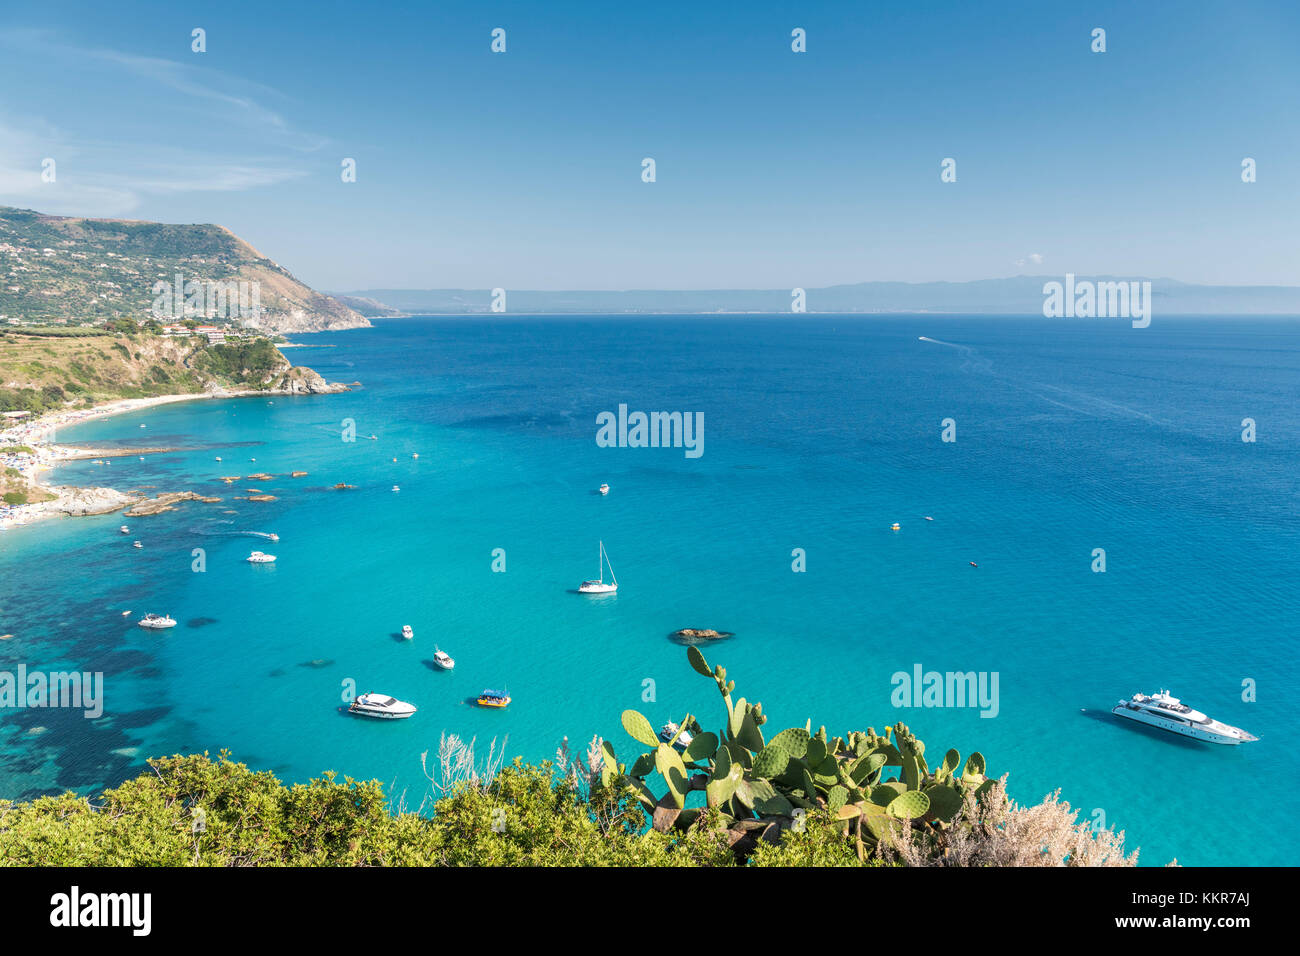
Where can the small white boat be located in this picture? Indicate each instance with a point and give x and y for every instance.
(124, 529)
(260, 557)
(126, 613)
(415, 454)
(142, 426)
(274, 537)
(218, 458)
(373, 437)
(156, 622)
(442, 659)
(599, 586)
(381, 705)
(669, 730)
(1169, 713)
(604, 489)
(407, 631)
(136, 544)
(395, 488)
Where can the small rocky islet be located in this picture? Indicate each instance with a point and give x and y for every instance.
(690, 636)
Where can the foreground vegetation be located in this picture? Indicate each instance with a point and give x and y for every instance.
(730, 799)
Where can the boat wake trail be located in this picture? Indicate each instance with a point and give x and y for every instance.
(235, 534)
(971, 359)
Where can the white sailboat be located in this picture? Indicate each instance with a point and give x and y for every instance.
(599, 586)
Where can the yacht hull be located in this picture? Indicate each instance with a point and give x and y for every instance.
(1174, 727)
(381, 714)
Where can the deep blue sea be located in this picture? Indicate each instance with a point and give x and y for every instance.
(820, 433)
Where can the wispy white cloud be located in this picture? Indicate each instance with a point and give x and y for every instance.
(111, 177)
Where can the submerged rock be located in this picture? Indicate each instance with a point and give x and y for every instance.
(164, 502)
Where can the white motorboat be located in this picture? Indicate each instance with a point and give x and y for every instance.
(382, 706)
(124, 529)
(136, 544)
(407, 631)
(604, 489)
(670, 730)
(600, 586)
(156, 622)
(1169, 713)
(443, 659)
(396, 488)
(260, 557)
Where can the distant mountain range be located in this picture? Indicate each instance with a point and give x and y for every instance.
(1020, 295)
(61, 269)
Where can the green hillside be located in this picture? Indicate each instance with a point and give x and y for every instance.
(65, 270)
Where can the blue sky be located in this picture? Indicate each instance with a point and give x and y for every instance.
(774, 169)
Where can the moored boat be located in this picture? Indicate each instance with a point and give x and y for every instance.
(600, 586)
(156, 622)
(260, 557)
(382, 706)
(1167, 712)
(670, 730)
(493, 698)
(443, 659)
(407, 631)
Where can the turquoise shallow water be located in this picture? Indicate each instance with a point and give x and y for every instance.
(820, 432)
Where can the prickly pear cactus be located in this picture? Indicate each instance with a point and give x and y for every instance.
(759, 786)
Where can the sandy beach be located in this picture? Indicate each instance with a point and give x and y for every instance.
(39, 435)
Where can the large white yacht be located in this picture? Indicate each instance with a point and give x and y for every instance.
(381, 705)
(260, 557)
(601, 586)
(1169, 713)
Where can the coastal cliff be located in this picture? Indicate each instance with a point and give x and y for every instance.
(61, 269)
(48, 381)
(40, 373)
